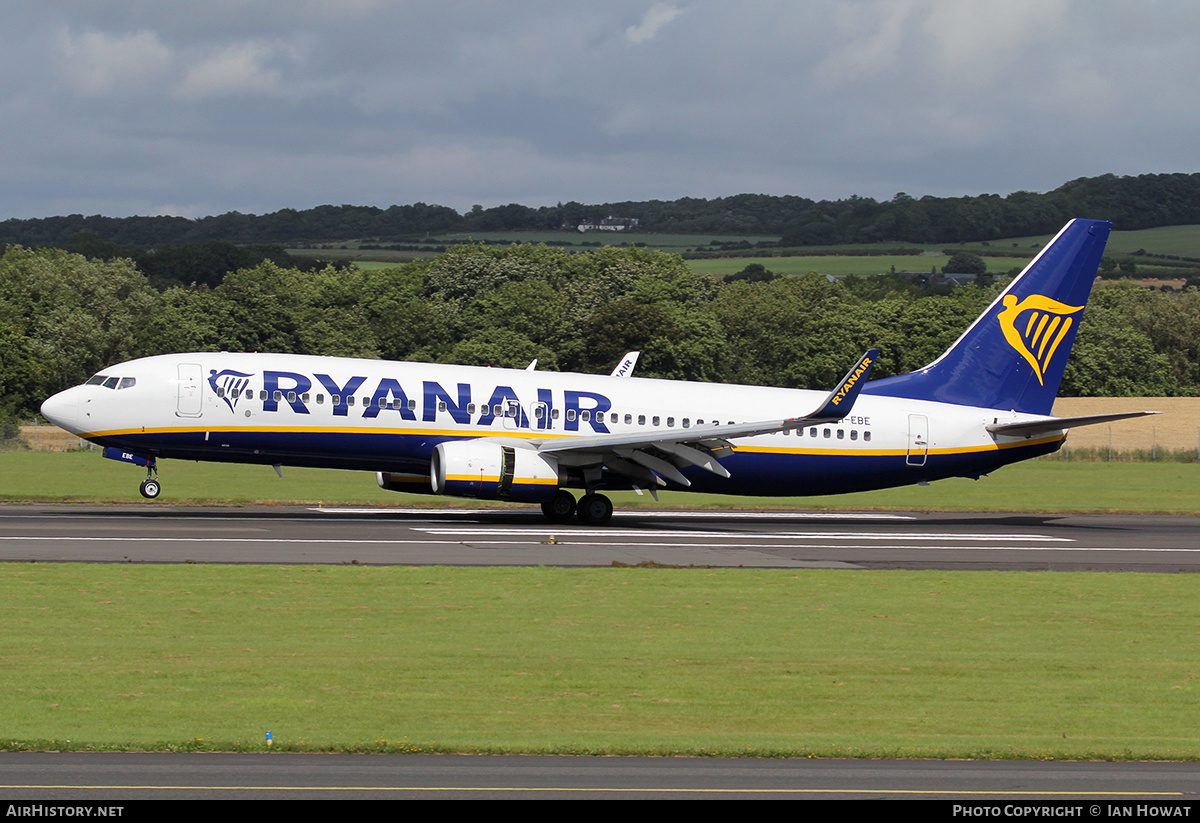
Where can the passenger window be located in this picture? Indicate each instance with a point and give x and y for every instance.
(854, 434)
(291, 397)
(412, 404)
(866, 435)
(262, 395)
(304, 397)
(320, 399)
(812, 432)
(335, 399)
(220, 391)
(641, 419)
(441, 405)
(828, 433)
(656, 420)
(687, 424)
(278, 395)
(670, 422)
(585, 415)
(570, 414)
(841, 434)
(349, 400)
(470, 408)
(628, 419)
(554, 414)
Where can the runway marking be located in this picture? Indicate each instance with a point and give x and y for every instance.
(723, 515)
(446, 531)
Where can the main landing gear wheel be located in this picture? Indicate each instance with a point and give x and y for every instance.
(561, 508)
(150, 488)
(595, 509)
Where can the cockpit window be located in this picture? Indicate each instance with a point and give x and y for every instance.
(111, 382)
(95, 380)
(127, 382)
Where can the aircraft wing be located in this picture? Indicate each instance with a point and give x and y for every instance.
(1028, 428)
(665, 452)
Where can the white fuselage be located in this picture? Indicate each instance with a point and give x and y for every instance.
(389, 416)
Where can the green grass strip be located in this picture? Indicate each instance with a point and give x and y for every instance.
(586, 661)
(1038, 486)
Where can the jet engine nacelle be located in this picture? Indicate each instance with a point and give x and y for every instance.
(491, 471)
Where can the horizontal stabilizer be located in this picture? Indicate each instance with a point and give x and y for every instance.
(1053, 424)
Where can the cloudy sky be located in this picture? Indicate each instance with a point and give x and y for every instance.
(123, 107)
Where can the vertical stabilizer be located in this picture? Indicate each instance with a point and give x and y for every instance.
(1014, 354)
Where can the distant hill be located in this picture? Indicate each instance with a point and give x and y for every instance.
(1142, 202)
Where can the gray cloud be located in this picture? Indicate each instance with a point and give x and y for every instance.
(125, 106)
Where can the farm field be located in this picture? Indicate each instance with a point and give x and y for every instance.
(1183, 241)
(863, 259)
(842, 265)
(1176, 429)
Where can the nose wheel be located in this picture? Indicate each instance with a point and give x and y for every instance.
(150, 487)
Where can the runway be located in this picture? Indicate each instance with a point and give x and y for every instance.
(115, 777)
(515, 537)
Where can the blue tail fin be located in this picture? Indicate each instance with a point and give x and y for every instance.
(1013, 355)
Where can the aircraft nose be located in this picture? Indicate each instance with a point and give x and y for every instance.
(63, 410)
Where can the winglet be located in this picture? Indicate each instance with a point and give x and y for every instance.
(839, 402)
(625, 367)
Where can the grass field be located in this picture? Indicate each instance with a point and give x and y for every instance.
(591, 661)
(842, 265)
(1040, 485)
(1182, 241)
(697, 662)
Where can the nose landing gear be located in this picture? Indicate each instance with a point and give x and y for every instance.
(150, 487)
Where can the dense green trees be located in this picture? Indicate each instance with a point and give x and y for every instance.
(64, 316)
(1130, 202)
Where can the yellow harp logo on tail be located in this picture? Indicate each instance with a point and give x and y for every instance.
(1035, 327)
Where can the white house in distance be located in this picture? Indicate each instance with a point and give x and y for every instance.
(610, 224)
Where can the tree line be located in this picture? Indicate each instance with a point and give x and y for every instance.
(1141, 202)
(64, 316)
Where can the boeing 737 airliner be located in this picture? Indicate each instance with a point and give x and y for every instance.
(524, 435)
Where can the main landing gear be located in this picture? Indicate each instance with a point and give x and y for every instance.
(592, 509)
(150, 488)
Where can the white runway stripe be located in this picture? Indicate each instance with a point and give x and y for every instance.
(570, 533)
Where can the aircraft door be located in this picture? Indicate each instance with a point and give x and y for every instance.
(514, 416)
(190, 391)
(918, 439)
(539, 415)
